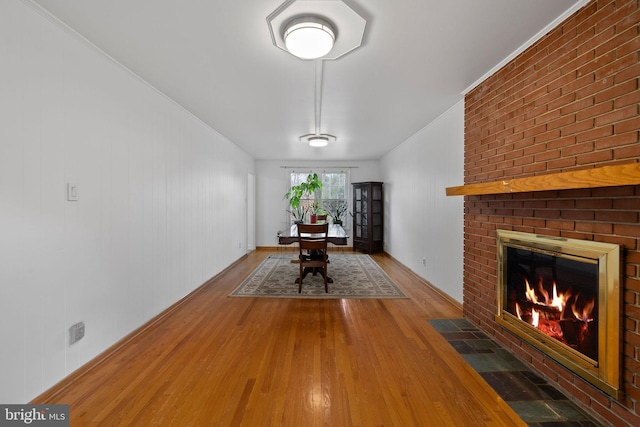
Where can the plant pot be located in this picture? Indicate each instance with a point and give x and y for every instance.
(337, 222)
(314, 218)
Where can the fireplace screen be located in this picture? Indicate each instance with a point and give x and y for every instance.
(556, 295)
(563, 297)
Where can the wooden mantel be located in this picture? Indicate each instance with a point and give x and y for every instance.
(604, 176)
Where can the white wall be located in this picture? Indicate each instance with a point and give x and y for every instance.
(272, 183)
(420, 221)
(155, 186)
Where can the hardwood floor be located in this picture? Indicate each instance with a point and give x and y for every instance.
(220, 361)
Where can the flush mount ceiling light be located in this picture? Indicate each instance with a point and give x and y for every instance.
(339, 22)
(309, 37)
(318, 140)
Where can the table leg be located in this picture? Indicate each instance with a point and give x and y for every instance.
(313, 270)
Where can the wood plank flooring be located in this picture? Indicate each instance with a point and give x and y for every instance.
(220, 361)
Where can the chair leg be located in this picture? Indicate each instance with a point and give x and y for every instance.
(300, 281)
(326, 287)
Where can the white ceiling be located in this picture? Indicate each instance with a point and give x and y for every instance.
(216, 59)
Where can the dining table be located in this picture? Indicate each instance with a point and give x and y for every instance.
(336, 235)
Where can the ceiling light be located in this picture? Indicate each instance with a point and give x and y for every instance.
(309, 37)
(346, 24)
(318, 141)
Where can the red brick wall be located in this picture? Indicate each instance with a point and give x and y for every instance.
(570, 101)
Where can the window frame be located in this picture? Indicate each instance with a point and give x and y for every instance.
(321, 173)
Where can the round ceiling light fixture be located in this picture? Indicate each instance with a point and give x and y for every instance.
(318, 139)
(309, 37)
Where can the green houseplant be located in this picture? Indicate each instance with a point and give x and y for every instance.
(315, 211)
(336, 210)
(301, 192)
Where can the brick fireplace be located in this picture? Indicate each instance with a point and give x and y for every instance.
(568, 103)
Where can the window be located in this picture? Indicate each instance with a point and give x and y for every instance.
(332, 198)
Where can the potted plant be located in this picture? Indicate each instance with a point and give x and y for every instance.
(336, 210)
(298, 213)
(297, 193)
(315, 212)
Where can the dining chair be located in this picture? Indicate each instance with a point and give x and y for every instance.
(312, 244)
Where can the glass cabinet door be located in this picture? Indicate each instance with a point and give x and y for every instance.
(367, 216)
(360, 209)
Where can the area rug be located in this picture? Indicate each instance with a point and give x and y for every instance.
(354, 276)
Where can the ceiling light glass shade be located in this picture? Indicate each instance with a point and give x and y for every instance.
(318, 141)
(309, 37)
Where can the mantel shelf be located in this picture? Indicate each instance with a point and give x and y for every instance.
(605, 176)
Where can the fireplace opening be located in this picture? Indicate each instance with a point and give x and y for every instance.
(563, 297)
(556, 295)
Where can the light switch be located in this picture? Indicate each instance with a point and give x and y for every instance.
(72, 192)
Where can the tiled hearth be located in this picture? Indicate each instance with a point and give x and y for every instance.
(537, 402)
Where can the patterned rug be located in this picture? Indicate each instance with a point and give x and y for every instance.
(354, 276)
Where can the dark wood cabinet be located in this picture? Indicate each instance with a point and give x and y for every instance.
(368, 224)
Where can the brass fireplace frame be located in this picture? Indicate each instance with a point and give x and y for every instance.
(605, 373)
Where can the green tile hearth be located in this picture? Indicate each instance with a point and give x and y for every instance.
(537, 402)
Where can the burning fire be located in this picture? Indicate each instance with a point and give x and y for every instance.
(535, 318)
(586, 313)
(552, 312)
(558, 301)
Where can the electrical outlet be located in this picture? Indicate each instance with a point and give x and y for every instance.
(72, 192)
(76, 332)
(424, 262)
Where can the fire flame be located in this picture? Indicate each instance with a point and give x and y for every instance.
(558, 301)
(539, 297)
(586, 313)
(531, 294)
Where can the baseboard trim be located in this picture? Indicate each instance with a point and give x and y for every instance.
(437, 290)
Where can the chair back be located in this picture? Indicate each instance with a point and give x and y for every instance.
(312, 237)
(312, 243)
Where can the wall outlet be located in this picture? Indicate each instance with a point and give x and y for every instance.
(76, 332)
(72, 192)
(424, 262)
